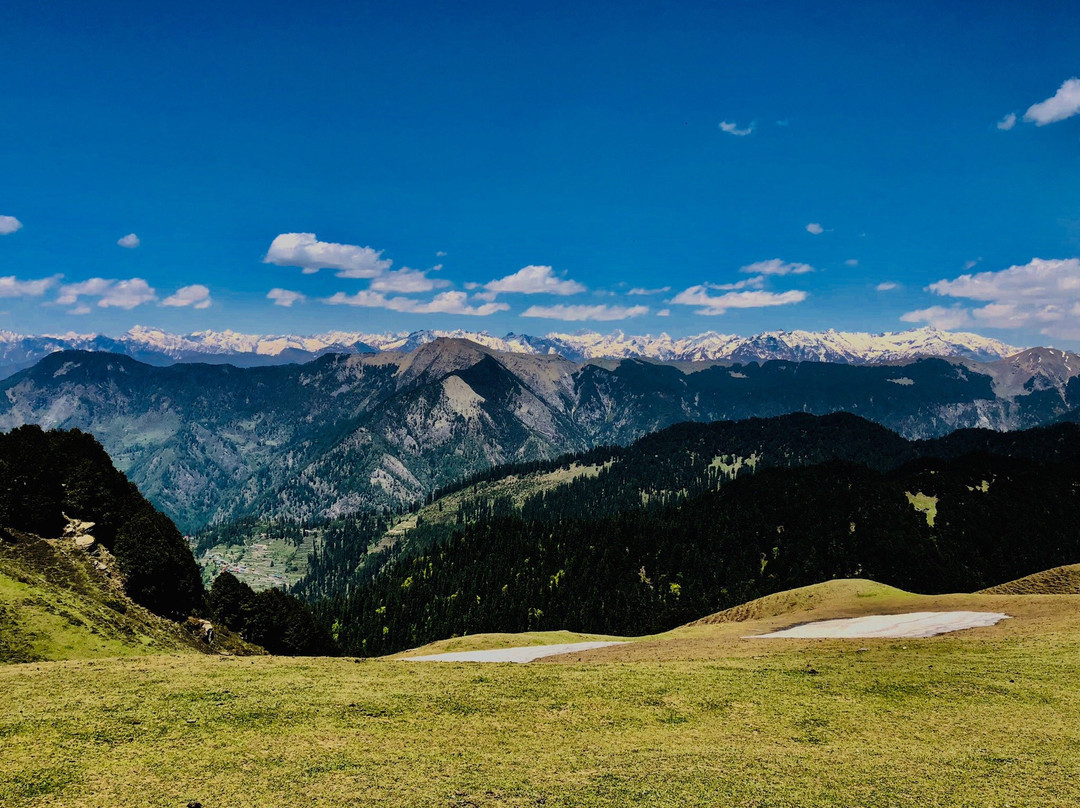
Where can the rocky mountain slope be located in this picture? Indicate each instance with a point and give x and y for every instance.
(158, 347)
(211, 442)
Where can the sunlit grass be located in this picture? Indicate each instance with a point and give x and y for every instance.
(698, 717)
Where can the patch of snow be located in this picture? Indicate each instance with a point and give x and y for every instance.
(903, 381)
(523, 654)
(911, 625)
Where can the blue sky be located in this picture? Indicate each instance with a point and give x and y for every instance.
(752, 165)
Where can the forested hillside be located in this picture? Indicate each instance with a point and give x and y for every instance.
(49, 478)
(680, 524)
(70, 521)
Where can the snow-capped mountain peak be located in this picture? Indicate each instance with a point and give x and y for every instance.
(161, 347)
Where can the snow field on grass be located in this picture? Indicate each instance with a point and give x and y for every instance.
(527, 653)
(913, 624)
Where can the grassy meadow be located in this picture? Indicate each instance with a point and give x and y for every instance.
(696, 717)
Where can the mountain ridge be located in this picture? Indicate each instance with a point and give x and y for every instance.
(212, 442)
(158, 347)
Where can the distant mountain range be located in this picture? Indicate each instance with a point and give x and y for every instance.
(157, 347)
(343, 432)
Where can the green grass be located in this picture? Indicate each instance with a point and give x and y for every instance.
(54, 605)
(924, 504)
(697, 717)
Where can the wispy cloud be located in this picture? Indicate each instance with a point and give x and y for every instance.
(851, 262)
(815, 228)
(1061, 105)
(307, 252)
(638, 290)
(733, 129)
(8, 225)
(10, 286)
(110, 293)
(1007, 123)
(285, 297)
(444, 303)
(939, 317)
(578, 313)
(755, 282)
(534, 280)
(887, 286)
(407, 281)
(130, 241)
(775, 266)
(719, 304)
(197, 296)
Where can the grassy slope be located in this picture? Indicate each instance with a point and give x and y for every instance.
(697, 717)
(518, 487)
(55, 605)
(1057, 581)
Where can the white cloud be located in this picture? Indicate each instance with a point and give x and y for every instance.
(733, 129)
(533, 280)
(887, 286)
(305, 251)
(719, 304)
(10, 286)
(1042, 294)
(8, 225)
(1061, 105)
(1007, 123)
(755, 282)
(602, 312)
(640, 291)
(939, 317)
(196, 295)
(81, 309)
(110, 293)
(664, 313)
(406, 280)
(775, 266)
(130, 241)
(441, 254)
(444, 303)
(815, 228)
(852, 262)
(285, 297)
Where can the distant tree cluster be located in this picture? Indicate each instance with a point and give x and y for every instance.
(279, 622)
